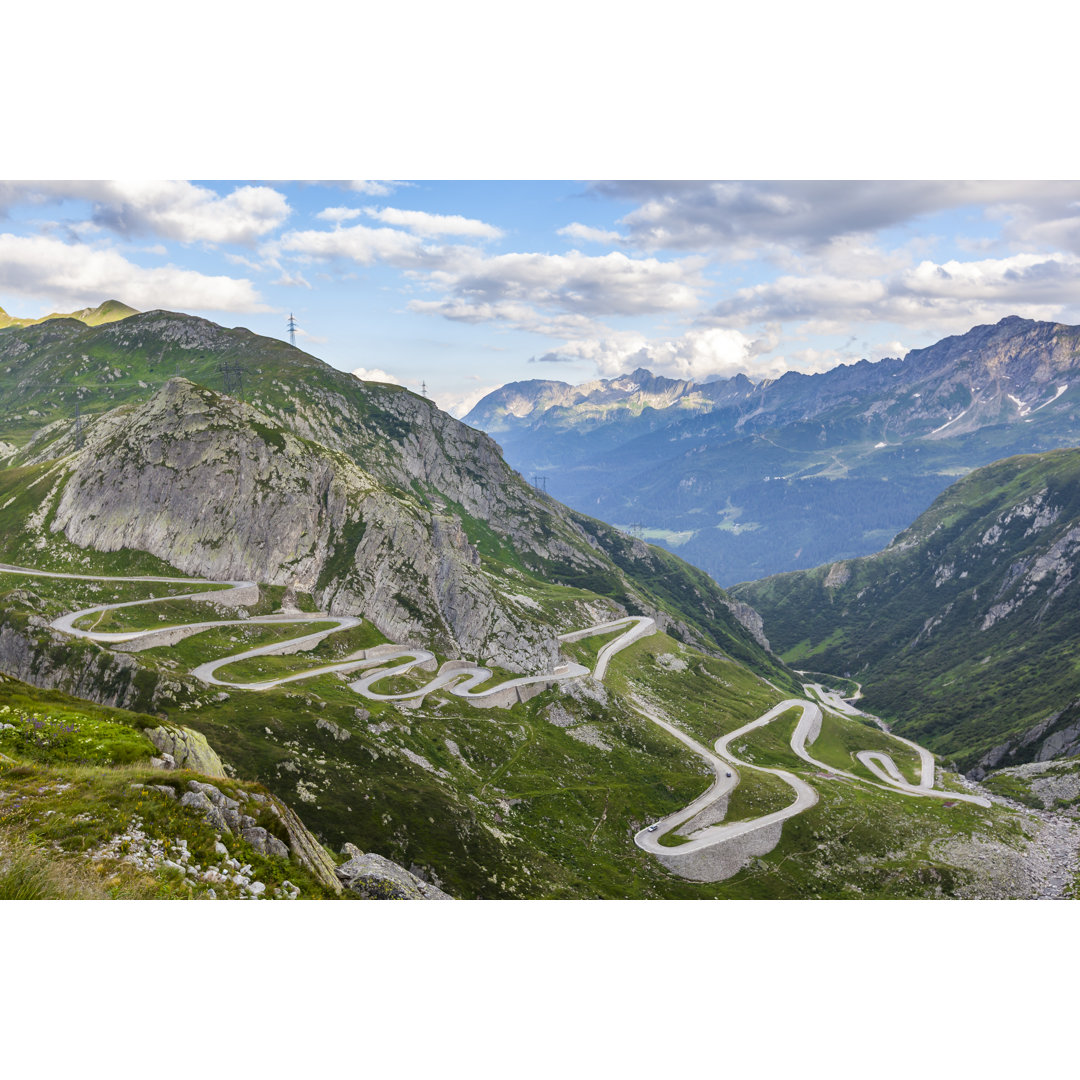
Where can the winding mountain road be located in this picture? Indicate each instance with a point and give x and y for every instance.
(465, 679)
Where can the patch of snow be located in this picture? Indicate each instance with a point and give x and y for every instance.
(1060, 390)
(948, 422)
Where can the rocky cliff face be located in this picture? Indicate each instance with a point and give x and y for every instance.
(222, 490)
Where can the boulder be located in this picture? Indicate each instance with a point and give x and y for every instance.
(375, 878)
(197, 801)
(189, 750)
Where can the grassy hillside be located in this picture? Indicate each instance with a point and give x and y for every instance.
(539, 800)
(109, 311)
(84, 815)
(965, 631)
(422, 458)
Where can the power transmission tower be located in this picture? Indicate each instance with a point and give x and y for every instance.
(423, 388)
(232, 378)
(540, 483)
(80, 434)
(292, 330)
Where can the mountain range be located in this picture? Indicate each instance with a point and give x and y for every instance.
(748, 479)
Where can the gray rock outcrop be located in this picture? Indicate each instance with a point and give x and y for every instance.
(188, 749)
(222, 812)
(224, 491)
(749, 618)
(1056, 736)
(375, 878)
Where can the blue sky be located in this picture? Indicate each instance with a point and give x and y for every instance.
(468, 285)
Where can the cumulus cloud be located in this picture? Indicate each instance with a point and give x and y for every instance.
(511, 287)
(78, 275)
(516, 315)
(576, 231)
(697, 355)
(612, 284)
(747, 217)
(376, 375)
(356, 242)
(947, 297)
(337, 214)
(173, 209)
(459, 402)
(424, 224)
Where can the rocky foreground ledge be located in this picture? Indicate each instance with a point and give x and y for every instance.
(374, 878)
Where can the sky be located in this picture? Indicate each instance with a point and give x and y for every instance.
(463, 286)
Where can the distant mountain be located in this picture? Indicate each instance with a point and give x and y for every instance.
(965, 630)
(749, 479)
(559, 405)
(109, 311)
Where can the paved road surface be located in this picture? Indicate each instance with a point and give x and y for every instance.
(464, 679)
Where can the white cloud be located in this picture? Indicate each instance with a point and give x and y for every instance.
(358, 243)
(885, 348)
(174, 209)
(296, 279)
(376, 375)
(612, 284)
(519, 316)
(1026, 277)
(337, 214)
(242, 260)
(789, 298)
(78, 275)
(480, 287)
(459, 403)
(744, 218)
(696, 355)
(576, 231)
(945, 297)
(700, 353)
(376, 187)
(424, 224)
